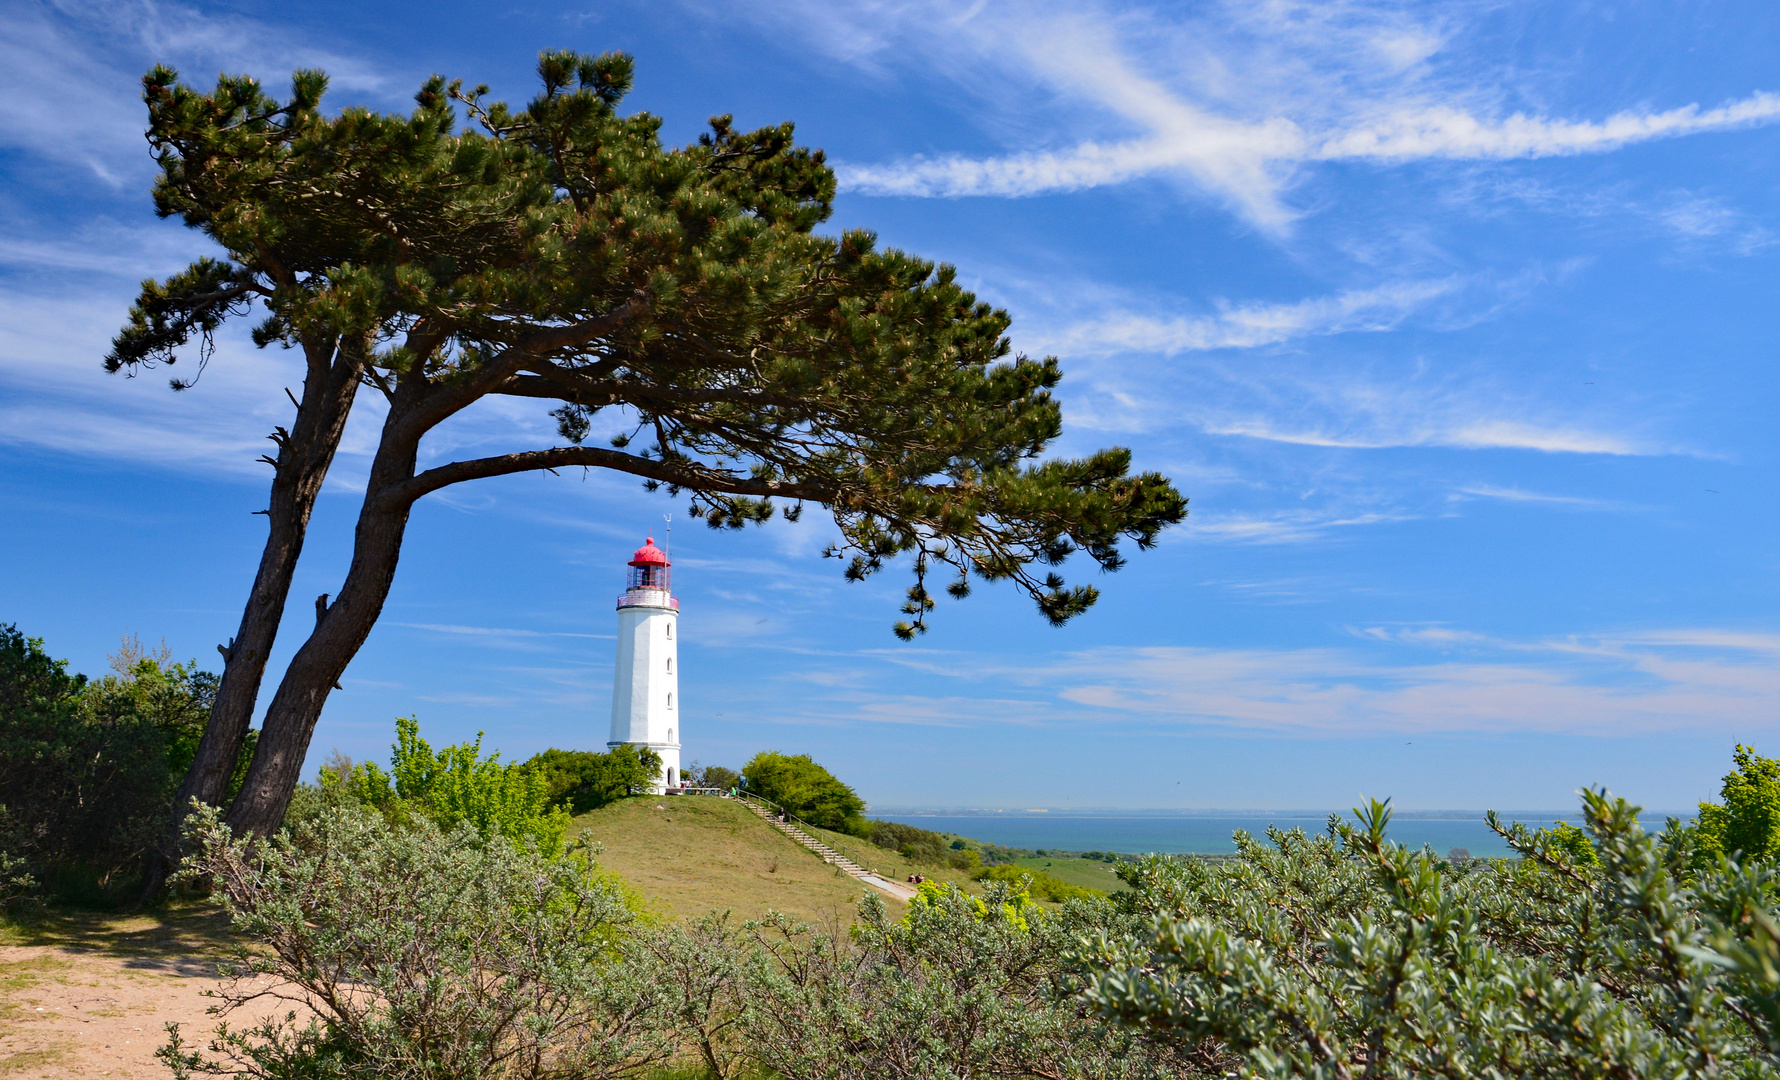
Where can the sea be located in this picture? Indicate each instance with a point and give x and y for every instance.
(1203, 833)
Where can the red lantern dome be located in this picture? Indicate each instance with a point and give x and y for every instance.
(649, 555)
(648, 571)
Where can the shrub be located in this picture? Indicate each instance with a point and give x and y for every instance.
(90, 767)
(963, 987)
(1346, 954)
(1564, 837)
(1038, 883)
(416, 951)
(920, 845)
(807, 790)
(585, 780)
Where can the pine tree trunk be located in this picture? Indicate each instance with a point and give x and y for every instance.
(304, 456)
(340, 630)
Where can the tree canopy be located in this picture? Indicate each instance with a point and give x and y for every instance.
(1747, 822)
(806, 789)
(678, 299)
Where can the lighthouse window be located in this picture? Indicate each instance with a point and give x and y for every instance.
(670, 664)
(670, 631)
(670, 699)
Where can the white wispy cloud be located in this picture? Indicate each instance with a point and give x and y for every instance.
(1236, 100)
(1520, 495)
(1445, 431)
(1445, 132)
(1248, 325)
(1634, 683)
(1281, 527)
(69, 71)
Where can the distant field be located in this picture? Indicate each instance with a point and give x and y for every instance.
(1088, 873)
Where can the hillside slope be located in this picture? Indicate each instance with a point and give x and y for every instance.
(690, 855)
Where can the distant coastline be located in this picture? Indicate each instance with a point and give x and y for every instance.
(1207, 832)
(1099, 811)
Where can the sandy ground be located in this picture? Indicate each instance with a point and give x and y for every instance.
(91, 995)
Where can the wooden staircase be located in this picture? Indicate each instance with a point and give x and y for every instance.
(789, 826)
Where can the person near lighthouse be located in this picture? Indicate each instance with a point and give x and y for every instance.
(645, 686)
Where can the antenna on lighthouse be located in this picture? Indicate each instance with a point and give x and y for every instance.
(667, 545)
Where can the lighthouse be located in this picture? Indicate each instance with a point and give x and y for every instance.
(646, 686)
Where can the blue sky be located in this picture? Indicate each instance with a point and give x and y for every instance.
(1455, 321)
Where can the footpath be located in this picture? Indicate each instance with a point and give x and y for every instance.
(771, 815)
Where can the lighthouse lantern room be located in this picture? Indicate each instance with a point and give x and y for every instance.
(645, 687)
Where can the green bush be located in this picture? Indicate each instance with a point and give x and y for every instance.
(453, 786)
(415, 951)
(1573, 842)
(88, 768)
(917, 844)
(808, 790)
(586, 780)
(1038, 883)
(1348, 955)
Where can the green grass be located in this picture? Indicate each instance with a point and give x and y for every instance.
(688, 855)
(1088, 873)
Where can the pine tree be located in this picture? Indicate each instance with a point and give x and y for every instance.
(560, 252)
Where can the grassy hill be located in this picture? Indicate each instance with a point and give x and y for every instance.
(690, 855)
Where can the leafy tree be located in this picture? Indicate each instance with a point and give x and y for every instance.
(585, 780)
(716, 776)
(561, 253)
(455, 786)
(91, 765)
(808, 790)
(1748, 820)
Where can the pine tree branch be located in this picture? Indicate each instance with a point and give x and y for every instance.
(695, 477)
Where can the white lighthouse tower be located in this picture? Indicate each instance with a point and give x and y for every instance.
(646, 687)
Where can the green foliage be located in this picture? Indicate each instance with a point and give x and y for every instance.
(1573, 842)
(1348, 955)
(585, 780)
(1340, 955)
(716, 776)
(1748, 820)
(15, 883)
(416, 951)
(413, 952)
(808, 790)
(962, 987)
(917, 844)
(455, 786)
(91, 767)
(1012, 902)
(561, 252)
(1038, 883)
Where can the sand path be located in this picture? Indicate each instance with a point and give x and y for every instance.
(89, 995)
